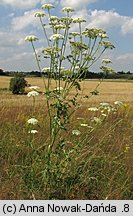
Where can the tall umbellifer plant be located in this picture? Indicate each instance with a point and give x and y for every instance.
(77, 51)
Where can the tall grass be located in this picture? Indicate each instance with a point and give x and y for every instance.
(93, 165)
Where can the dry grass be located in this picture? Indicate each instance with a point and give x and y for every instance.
(98, 157)
(109, 91)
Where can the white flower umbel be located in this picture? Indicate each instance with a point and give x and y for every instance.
(53, 18)
(104, 104)
(58, 89)
(31, 38)
(32, 121)
(47, 6)
(59, 26)
(56, 37)
(77, 67)
(74, 34)
(76, 132)
(103, 114)
(78, 20)
(39, 14)
(102, 35)
(32, 94)
(84, 125)
(97, 120)
(119, 103)
(34, 87)
(33, 131)
(80, 118)
(67, 9)
(93, 109)
(106, 61)
(46, 69)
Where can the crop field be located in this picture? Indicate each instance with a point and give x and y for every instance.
(110, 91)
(95, 163)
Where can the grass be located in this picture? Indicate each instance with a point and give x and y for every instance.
(109, 91)
(94, 165)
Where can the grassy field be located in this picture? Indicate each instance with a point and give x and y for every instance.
(110, 91)
(95, 165)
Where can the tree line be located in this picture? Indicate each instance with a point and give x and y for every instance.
(88, 75)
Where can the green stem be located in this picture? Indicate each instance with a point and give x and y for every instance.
(63, 48)
(93, 46)
(98, 48)
(71, 85)
(33, 106)
(80, 31)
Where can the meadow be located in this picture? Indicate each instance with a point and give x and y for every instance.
(97, 164)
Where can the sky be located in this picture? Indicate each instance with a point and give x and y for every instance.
(17, 21)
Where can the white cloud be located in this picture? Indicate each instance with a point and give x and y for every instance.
(28, 19)
(22, 4)
(77, 4)
(107, 19)
(123, 62)
(125, 57)
(127, 26)
(49, 2)
(10, 39)
(104, 19)
(19, 62)
(13, 54)
(26, 4)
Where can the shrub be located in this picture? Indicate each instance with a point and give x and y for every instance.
(17, 84)
(130, 77)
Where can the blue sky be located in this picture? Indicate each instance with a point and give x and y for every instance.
(17, 21)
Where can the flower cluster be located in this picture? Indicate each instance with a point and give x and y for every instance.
(32, 94)
(96, 120)
(102, 35)
(46, 69)
(39, 14)
(59, 26)
(51, 50)
(58, 89)
(78, 20)
(47, 6)
(106, 61)
(66, 20)
(119, 103)
(76, 132)
(84, 125)
(93, 109)
(107, 70)
(53, 18)
(31, 38)
(74, 34)
(33, 131)
(67, 9)
(93, 33)
(56, 37)
(107, 44)
(32, 121)
(103, 111)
